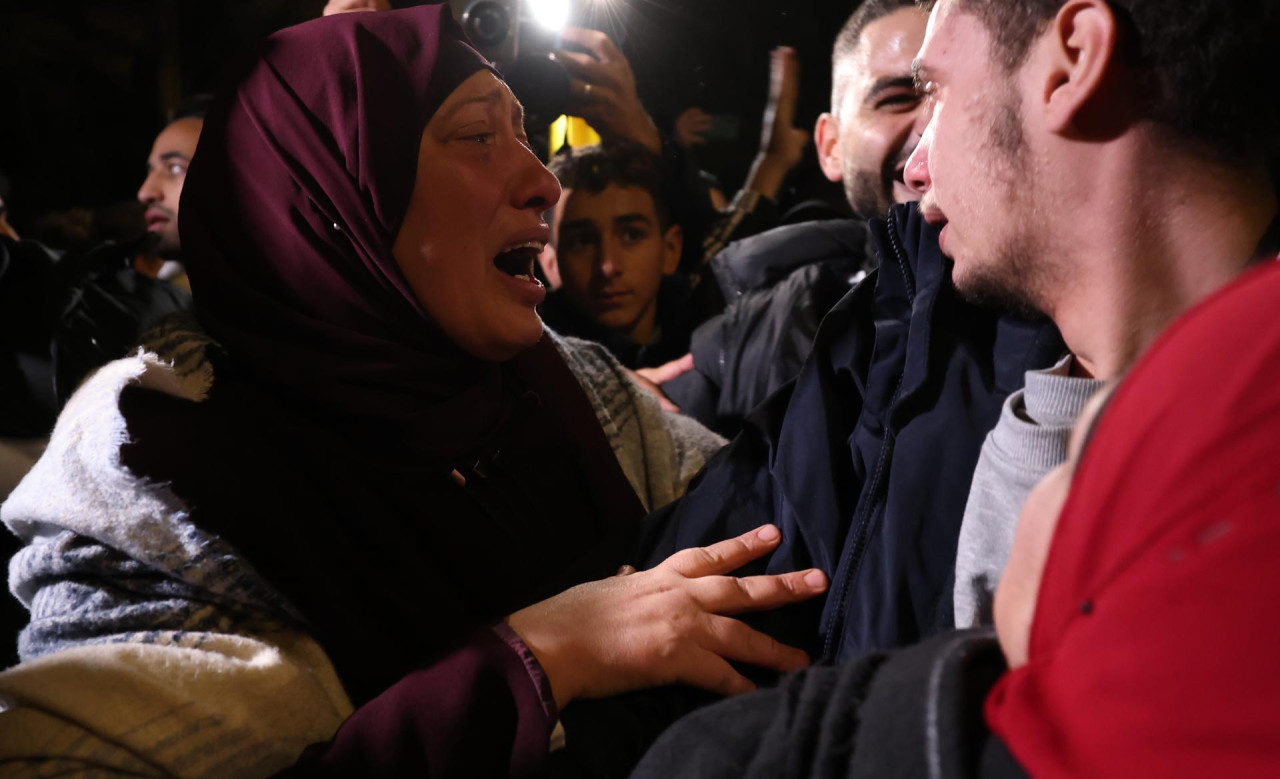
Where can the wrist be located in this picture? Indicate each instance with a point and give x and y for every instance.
(548, 656)
(639, 128)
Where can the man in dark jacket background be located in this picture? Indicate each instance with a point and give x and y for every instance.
(1109, 165)
(781, 283)
(864, 460)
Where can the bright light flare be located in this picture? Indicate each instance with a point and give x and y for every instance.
(551, 14)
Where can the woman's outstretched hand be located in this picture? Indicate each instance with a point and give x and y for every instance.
(666, 625)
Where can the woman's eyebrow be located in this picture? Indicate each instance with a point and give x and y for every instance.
(492, 97)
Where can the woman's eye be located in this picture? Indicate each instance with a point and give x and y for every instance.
(177, 170)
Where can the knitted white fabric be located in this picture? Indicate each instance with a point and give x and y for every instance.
(153, 648)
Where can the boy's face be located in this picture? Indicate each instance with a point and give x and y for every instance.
(612, 253)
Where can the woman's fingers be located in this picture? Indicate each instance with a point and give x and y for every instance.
(733, 640)
(710, 671)
(725, 556)
(727, 639)
(729, 595)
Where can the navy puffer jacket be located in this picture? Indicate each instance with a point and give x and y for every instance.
(866, 459)
(779, 285)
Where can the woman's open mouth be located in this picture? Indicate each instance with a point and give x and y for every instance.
(518, 260)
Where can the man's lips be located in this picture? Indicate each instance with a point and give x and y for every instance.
(612, 297)
(933, 215)
(157, 219)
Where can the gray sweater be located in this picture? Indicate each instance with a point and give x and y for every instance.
(1029, 441)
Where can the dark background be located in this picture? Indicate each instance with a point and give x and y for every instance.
(87, 85)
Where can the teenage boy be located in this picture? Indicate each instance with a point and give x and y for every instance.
(616, 252)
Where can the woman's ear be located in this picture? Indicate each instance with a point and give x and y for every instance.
(826, 136)
(1080, 48)
(672, 249)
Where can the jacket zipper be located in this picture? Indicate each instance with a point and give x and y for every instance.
(875, 500)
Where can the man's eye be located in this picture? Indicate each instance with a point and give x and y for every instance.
(481, 138)
(899, 101)
(177, 170)
(633, 236)
(576, 243)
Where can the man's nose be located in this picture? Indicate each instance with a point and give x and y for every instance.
(916, 174)
(150, 193)
(610, 267)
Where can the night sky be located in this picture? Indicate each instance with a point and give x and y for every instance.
(87, 85)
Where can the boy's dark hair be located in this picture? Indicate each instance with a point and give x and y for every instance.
(1209, 65)
(595, 168)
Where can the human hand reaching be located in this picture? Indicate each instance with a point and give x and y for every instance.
(604, 89)
(782, 144)
(670, 624)
(781, 138)
(652, 379)
(691, 125)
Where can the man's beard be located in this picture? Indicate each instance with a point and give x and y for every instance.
(870, 192)
(866, 193)
(1006, 285)
(1016, 278)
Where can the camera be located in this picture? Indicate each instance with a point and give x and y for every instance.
(492, 25)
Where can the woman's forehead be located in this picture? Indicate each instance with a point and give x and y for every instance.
(482, 87)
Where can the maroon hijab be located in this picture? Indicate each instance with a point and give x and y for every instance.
(339, 409)
(289, 213)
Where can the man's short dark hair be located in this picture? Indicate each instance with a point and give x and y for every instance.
(1209, 65)
(192, 107)
(850, 37)
(623, 164)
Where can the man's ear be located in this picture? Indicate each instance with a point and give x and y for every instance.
(827, 138)
(1080, 48)
(672, 248)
